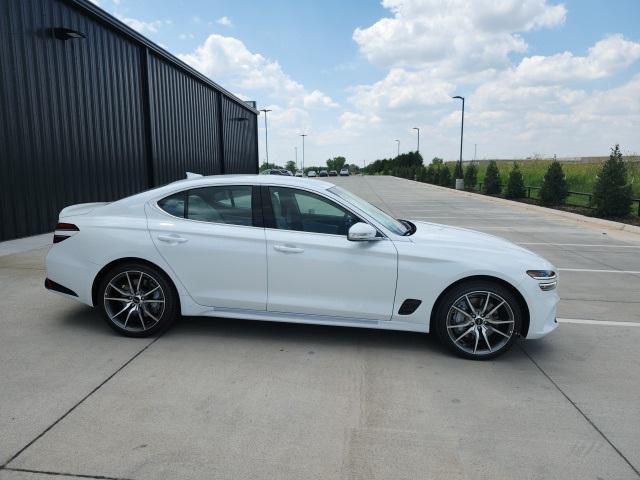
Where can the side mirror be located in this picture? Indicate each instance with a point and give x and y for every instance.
(362, 232)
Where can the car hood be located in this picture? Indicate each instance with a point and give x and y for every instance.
(446, 237)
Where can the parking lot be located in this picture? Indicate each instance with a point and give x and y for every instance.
(231, 399)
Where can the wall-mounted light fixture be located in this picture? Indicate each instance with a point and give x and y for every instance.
(62, 33)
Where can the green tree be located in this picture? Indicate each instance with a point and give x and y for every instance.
(471, 176)
(491, 184)
(515, 184)
(554, 188)
(267, 166)
(336, 163)
(458, 172)
(430, 174)
(444, 176)
(437, 161)
(612, 195)
(291, 166)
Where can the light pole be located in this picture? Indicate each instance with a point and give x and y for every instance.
(475, 150)
(418, 130)
(266, 138)
(296, 152)
(303, 135)
(398, 147)
(460, 181)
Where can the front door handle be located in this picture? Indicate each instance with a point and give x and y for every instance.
(288, 249)
(172, 238)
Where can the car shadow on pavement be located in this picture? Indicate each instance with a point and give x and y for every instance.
(300, 334)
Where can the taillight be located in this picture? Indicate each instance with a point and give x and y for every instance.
(64, 227)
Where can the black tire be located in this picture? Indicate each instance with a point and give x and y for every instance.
(506, 320)
(140, 315)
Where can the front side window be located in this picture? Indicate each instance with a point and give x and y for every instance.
(222, 204)
(307, 212)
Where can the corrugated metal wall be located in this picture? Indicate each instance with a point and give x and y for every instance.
(184, 114)
(100, 118)
(240, 141)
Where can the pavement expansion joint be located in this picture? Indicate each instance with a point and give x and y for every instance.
(580, 411)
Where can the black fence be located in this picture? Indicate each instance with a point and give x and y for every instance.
(575, 199)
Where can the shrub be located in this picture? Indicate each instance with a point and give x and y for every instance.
(430, 174)
(444, 176)
(515, 184)
(458, 173)
(491, 185)
(612, 194)
(471, 176)
(554, 188)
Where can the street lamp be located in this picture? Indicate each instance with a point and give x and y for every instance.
(460, 181)
(418, 129)
(296, 152)
(266, 138)
(303, 135)
(398, 147)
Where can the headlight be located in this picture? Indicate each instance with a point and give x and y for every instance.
(547, 279)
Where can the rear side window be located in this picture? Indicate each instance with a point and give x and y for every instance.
(224, 204)
(173, 205)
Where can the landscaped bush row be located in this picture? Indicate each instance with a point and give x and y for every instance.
(612, 185)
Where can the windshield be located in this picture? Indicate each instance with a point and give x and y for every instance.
(390, 223)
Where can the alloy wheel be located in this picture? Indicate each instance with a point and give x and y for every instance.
(480, 323)
(134, 301)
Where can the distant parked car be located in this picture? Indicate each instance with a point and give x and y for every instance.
(312, 173)
(333, 173)
(299, 173)
(274, 171)
(324, 173)
(344, 172)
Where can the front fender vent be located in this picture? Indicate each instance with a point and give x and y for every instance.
(409, 306)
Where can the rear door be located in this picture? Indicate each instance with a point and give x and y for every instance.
(213, 239)
(314, 269)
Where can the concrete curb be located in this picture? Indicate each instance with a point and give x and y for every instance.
(597, 222)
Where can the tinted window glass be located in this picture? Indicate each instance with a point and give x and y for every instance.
(307, 212)
(173, 205)
(221, 205)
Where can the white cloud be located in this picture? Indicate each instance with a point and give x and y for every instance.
(228, 61)
(145, 27)
(607, 57)
(454, 35)
(318, 99)
(224, 21)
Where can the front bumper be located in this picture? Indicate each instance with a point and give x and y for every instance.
(542, 309)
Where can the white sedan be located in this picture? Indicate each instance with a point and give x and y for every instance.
(290, 250)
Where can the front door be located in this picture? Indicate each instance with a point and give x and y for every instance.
(313, 269)
(210, 239)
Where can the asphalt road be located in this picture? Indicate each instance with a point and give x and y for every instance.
(237, 399)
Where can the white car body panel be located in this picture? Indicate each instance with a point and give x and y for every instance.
(234, 271)
(318, 274)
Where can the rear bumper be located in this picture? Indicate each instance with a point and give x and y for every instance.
(67, 275)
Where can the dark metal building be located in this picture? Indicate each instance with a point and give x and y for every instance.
(90, 110)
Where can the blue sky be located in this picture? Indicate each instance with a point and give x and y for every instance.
(540, 77)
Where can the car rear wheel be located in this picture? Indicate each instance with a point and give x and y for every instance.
(479, 320)
(137, 300)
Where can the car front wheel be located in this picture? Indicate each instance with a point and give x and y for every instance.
(479, 320)
(137, 300)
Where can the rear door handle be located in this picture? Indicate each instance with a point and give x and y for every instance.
(172, 238)
(288, 249)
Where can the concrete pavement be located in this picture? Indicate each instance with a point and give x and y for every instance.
(217, 398)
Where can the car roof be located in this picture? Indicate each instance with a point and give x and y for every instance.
(284, 180)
